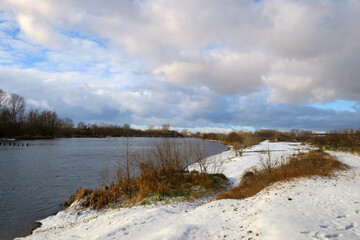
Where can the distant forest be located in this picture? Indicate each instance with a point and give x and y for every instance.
(18, 122)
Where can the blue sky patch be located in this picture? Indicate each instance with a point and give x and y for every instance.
(338, 105)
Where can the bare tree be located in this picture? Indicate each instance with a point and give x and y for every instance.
(199, 151)
(184, 132)
(127, 129)
(3, 113)
(150, 127)
(67, 123)
(239, 149)
(16, 107)
(81, 125)
(2, 96)
(165, 127)
(32, 120)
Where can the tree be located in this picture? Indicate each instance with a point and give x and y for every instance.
(3, 113)
(33, 122)
(49, 122)
(184, 132)
(17, 108)
(232, 137)
(67, 123)
(165, 127)
(2, 96)
(12, 110)
(150, 127)
(81, 125)
(126, 126)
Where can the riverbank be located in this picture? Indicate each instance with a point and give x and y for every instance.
(306, 208)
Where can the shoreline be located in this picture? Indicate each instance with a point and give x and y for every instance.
(32, 138)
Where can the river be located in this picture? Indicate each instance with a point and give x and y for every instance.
(36, 179)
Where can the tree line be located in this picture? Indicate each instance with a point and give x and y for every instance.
(114, 130)
(18, 122)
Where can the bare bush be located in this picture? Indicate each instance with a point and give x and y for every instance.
(239, 149)
(105, 178)
(126, 168)
(267, 162)
(199, 151)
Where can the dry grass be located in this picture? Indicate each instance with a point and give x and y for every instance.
(159, 172)
(313, 163)
(159, 182)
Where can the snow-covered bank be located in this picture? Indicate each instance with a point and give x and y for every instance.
(316, 208)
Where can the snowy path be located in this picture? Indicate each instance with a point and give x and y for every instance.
(316, 208)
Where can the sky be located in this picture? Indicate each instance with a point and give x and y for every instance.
(204, 65)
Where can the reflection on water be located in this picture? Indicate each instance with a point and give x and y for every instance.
(34, 180)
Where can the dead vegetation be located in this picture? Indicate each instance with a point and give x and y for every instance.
(312, 163)
(159, 173)
(337, 141)
(160, 183)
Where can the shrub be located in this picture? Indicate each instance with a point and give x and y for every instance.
(233, 137)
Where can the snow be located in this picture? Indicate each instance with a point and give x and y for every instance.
(309, 208)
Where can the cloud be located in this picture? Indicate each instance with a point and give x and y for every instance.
(42, 104)
(149, 104)
(185, 62)
(173, 37)
(222, 70)
(37, 31)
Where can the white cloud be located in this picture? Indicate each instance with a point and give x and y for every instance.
(42, 104)
(39, 32)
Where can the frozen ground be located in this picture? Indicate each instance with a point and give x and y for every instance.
(316, 208)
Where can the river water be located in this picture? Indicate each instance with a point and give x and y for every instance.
(36, 179)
